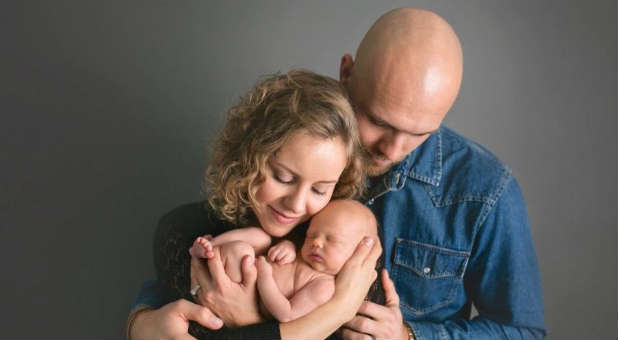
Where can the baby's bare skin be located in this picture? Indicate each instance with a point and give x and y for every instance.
(292, 284)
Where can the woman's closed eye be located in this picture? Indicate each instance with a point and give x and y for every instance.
(318, 192)
(283, 178)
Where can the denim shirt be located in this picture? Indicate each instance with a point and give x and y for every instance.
(455, 232)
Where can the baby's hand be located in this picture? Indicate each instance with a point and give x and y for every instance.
(283, 252)
(202, 247)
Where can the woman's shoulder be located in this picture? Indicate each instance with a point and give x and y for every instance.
(189, 211)
(197, 216)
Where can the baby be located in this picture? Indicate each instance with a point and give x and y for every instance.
(291, 286)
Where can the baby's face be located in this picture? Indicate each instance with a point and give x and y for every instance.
(332, 237)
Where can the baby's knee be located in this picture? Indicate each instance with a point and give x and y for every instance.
(232, 254)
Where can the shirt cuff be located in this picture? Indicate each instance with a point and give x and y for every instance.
(428, 330)
(152, 294)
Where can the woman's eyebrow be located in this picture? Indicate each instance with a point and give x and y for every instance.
(296, 174)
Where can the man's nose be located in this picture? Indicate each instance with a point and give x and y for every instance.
(391, 145)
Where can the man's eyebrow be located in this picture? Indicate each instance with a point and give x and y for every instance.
(296, 175)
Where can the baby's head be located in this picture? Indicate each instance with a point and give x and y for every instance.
(334, 234)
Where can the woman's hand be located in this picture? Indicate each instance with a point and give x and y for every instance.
(235, 303)
(172, 321)
(355, 278)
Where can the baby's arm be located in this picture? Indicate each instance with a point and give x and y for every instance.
(312, 295)
(254, 236)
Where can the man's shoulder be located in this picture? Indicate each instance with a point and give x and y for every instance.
(470, 154)
(469, 170)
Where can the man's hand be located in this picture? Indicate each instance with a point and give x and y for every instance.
(235, 303)
(377, 321)
(172, 321)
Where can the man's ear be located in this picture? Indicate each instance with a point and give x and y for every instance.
(345, 68)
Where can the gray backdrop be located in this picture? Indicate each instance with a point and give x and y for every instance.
(107, 108)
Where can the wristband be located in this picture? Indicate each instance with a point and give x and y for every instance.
(411, 335)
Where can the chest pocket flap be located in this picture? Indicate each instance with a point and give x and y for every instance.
(428, 261)
(427, 277)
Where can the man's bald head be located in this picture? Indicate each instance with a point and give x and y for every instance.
(404, 79)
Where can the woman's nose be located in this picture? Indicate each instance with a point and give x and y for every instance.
(295, 201)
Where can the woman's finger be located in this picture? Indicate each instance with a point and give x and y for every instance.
(215, 266)
(374, 253)
(249, 271)
(362, 250)
(199, 274)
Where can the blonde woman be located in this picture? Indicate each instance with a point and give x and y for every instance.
(288, 147)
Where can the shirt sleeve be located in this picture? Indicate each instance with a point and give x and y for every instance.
(502, 279)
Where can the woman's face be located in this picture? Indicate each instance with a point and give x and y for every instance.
(299, 181)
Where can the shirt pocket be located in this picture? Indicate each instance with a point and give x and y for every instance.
(427, 277)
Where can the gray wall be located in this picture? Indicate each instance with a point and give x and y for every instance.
(107, 108)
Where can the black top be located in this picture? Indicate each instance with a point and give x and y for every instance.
(175, 234)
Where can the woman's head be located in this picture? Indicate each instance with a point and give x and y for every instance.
(288, 146)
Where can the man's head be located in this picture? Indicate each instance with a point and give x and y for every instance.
(402, 82)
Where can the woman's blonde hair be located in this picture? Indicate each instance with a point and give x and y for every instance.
(262, 122)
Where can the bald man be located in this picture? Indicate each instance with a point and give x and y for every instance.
(454, 226)
(453, 221)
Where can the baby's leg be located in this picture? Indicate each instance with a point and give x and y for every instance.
(231, 256)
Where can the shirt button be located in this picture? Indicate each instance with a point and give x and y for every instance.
(426, 270)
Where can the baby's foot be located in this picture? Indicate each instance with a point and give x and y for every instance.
(202, 248)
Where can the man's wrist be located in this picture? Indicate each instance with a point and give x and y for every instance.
(135, 313)
(409, 330)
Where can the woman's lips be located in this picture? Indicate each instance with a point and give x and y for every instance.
(282, 218)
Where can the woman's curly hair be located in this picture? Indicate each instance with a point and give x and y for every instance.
(262, 122)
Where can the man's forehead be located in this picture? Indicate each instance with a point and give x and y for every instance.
(399, 114)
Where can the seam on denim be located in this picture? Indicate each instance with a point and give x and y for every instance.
(442, 332)
(437, 166)
(436, 306)
(436, 248)
(461, 266)
(504, 180)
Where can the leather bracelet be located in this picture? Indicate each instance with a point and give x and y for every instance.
(411, 335)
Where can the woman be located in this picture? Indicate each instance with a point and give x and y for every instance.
(288, 147)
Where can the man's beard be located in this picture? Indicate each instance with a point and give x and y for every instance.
(373, 169)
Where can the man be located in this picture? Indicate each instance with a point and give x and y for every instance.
(454, 227)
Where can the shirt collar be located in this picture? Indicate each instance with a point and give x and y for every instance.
(425, 162)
